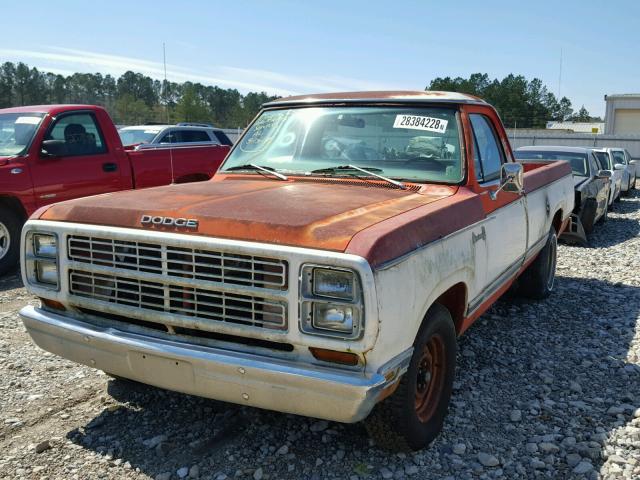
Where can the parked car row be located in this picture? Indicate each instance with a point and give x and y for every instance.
(53, 153)
(600, 177)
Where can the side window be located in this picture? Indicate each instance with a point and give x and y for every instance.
(602, 160)
(487, 149)
(169, 137)
(594, 165)
(193, 136)
(80, 133)
(618, 157)
(222, 137)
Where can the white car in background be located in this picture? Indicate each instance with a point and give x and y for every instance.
(622, 161)
(605, 159)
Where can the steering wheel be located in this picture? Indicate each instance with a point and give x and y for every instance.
(425, 160)
(332, 148)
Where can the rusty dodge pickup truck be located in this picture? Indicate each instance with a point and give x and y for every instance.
(327, 270)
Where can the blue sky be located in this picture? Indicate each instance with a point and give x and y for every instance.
(287, 47)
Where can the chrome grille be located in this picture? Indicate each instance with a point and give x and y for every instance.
(197, 302)
(182, 262)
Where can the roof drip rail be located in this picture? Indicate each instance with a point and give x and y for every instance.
(194, 124)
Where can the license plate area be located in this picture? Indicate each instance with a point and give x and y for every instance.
(162, 371)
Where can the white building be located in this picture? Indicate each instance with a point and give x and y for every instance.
(577, 127)
(622, 116)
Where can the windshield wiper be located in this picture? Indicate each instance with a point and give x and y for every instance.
(369, 171)
(260, 168)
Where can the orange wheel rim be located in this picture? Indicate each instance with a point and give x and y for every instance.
(430, 378)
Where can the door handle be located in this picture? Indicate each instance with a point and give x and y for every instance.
(476, 237)
(109, 167)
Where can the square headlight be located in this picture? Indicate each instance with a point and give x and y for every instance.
(333, 283)
(334, 317)
(45, 245)
(41, 259)
(331, 302)
(47, 272)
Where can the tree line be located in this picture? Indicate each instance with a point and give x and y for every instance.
(132, 98)
(521, 103)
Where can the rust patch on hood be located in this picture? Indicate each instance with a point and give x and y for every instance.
(297, 213)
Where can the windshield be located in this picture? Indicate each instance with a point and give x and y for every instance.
(17, 131)
(137, 135)
(577, 160)
(419, 144)
(603, 160)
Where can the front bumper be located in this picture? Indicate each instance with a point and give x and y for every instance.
(216, 373)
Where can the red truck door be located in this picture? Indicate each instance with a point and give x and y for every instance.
(85, 165)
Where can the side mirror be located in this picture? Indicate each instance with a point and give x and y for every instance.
(604, 174)
(618, 166)
(54, 148)
(511, 179)
(633, 162)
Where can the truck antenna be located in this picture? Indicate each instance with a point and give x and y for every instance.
(166, 106)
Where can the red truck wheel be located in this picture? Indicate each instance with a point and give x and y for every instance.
(9, 241)
(413, 416)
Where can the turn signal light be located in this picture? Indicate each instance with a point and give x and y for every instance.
(53, 304)
(343, 358)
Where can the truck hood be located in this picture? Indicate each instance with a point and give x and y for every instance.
(303, 212)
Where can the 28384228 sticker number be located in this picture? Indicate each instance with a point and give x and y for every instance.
(418, 122)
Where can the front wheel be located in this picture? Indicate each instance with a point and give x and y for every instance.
(604, 217)
(413, 416)
(538, 279)
(10, 226)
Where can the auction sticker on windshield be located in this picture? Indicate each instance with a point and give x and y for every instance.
(418, 122)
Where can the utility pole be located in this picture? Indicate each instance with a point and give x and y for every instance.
(560, 77)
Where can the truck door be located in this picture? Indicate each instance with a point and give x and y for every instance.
(506, 220)
(84, 165)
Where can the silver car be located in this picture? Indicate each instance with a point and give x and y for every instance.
(605, 159)
(180, 134)
(622, 161)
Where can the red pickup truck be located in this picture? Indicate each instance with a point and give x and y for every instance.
(60, 152)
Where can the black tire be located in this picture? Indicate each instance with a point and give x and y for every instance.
(10, 226)
(588, 215)
(605, 216)
(536, 282)
(413, 416)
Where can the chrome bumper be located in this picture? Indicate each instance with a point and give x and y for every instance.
(234, 377)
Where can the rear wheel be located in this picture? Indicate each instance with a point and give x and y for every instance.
(538, 279)
(10, 225)
(413, 416)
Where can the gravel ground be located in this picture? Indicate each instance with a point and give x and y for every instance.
(546, 390)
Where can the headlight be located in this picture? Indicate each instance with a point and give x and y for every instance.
(333, 283)
(41, 259)
(331, 302)
(47, 272)
(331, 316)
(45, 245)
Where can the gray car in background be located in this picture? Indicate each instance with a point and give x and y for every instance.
(180, 134)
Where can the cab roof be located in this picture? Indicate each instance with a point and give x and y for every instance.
(50, 109)
(400, 96)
